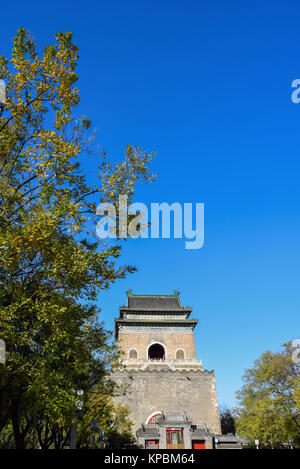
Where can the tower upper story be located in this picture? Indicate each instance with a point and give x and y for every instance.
(156, 330)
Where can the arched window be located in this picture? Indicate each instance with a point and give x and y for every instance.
(133, 353)
(180, 354)
(152, 419)
(156, 352)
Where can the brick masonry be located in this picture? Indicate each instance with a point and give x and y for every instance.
(172, 340)
(192, 392)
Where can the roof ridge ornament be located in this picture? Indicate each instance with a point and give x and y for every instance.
(176, 294)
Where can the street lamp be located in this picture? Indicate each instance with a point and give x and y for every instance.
(94, 427)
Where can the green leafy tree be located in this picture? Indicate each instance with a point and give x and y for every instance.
(269, 400)
(112, 418)
(227, 420)
(51, 267)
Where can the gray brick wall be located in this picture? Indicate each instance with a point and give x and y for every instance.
(192, 392)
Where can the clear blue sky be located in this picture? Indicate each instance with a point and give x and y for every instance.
(207, 86)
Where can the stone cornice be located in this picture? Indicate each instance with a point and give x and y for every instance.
(178, 312)
(152, 323)
(161, 370)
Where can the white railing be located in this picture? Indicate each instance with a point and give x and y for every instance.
(173, 363)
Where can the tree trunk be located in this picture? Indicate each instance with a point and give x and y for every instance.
(18, 435)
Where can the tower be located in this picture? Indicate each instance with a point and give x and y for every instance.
(155, 335)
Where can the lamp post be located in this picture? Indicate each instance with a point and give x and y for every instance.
(95, 428)
(73, 434)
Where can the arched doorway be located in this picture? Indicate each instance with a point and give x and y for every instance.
(156, 352)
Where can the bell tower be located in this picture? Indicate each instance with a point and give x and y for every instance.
(156, 329)
(155, 335)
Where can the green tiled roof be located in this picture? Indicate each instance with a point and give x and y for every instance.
(155, 305)
(156, 302)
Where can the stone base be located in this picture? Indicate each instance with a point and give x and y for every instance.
(161, 388)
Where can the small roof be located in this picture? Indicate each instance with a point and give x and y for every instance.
(175, 419)
(229, 437)
(199, 432)
(148, 430)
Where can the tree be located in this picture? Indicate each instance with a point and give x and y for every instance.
(269, 400)
(51, 267)
(227, 421)
(112, 418)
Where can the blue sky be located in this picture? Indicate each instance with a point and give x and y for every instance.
(207, 85)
